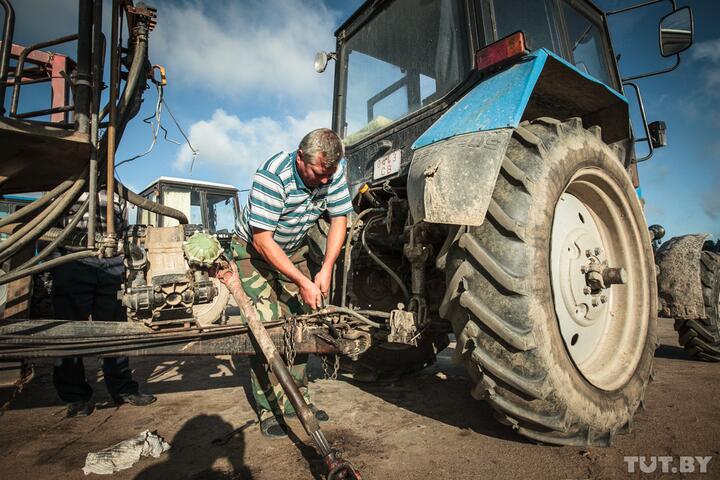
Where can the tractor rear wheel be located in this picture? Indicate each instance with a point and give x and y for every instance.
(701, 338)
(561, 357)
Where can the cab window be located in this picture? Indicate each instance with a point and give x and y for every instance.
(587, 48)
(535, 18)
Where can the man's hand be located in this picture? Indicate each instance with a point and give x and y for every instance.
(323, 279)
(311, 294)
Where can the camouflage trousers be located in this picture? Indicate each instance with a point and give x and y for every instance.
(273, 295)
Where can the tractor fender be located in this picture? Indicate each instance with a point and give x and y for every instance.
(456, 161)
(679, 285)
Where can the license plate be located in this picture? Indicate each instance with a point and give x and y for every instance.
(387, 165)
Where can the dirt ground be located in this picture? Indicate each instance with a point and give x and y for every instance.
(422, 426)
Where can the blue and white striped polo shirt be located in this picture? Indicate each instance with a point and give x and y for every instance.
(281, 203)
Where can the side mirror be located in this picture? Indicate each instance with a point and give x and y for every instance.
(676, 32)
(322, 59)
(658, 135)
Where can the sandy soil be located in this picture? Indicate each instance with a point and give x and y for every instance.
(421, 426)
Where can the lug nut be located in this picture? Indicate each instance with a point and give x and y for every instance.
(597, 251)
(603, 298)
(588, 253)
(583, 269)
(595, 302)
(586, 290)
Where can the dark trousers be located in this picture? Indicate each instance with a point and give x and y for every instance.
(83, 290)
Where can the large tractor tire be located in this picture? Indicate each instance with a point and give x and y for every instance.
(701, 337)
(558, 362)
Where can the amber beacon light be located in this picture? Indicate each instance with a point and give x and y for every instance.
(501, 52)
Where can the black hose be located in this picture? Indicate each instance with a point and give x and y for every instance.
(9, 277)
(60, 238)
(40, 202)
(347, 259)
(37, 226)
(149, 205)
(382, 264)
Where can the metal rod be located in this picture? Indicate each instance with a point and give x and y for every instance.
(8, 31)
(83, 85)
(111, 130)
(639, 5)
(96, 61)
(651, 149)
(40, 113)
(657, 72)
(228, 275)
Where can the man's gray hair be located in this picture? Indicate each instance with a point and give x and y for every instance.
(325, 142)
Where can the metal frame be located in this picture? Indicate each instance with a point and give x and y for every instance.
(58, 75)
(677, 55)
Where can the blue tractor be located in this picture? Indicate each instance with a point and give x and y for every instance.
(491, 156)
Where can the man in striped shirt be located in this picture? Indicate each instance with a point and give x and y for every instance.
(290, 192)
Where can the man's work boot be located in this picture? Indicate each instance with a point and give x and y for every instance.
(320, 415)
(79, 409)
(136, 399)
(272, 428)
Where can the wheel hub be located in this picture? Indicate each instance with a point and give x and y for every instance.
(581, 278)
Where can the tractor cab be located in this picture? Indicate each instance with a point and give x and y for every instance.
(401, 64)
(213, 206)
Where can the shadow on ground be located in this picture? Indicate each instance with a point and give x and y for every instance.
(206, 447)
(440, 392)
(156, 375)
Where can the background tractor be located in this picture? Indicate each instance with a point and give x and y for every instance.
(491, 154)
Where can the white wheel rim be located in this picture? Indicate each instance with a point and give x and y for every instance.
(604, 329)
(576, 240)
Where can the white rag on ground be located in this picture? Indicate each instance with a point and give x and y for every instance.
(125, 454)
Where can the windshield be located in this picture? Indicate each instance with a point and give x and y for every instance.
(221, 213)
(409, 55)
(187, 201)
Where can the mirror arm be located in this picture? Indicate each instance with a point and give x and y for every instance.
(640, 5)
(659, 72)
(644, 122)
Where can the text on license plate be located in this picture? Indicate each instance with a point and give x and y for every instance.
(387, 165)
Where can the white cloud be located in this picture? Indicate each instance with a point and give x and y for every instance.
(708, 53)
(707, 50)
(243, 49)
(711, 204)
(231, 148)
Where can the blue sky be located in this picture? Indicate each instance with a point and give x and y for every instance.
(242, 84)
